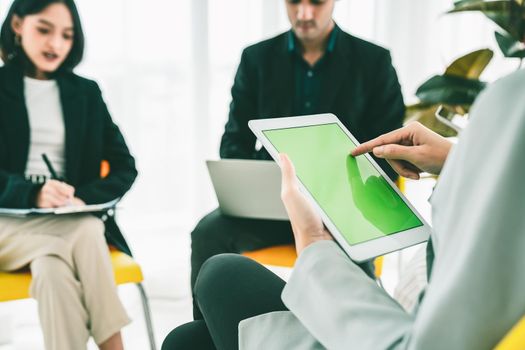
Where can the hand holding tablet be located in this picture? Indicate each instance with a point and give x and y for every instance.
(356, 201)
(307, 224)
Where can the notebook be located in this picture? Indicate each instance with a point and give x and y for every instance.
(74, 209)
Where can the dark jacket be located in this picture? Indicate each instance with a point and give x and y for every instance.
(360, 88)
(91, 136)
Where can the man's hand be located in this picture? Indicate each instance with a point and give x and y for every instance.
(55, 194)
(409, 150)
(306, 223)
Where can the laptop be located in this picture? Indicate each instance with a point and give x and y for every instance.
(248, 188)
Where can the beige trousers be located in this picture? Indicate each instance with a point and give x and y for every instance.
(73, 279)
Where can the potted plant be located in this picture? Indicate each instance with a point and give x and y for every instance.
(457, 88)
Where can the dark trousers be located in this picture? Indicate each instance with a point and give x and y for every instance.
(216, 234)
(229, 289)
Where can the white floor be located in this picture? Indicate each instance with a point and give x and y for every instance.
(164, 255)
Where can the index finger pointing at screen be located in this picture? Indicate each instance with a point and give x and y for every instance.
(398, 136)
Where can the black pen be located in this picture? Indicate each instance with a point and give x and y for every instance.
(50, 167)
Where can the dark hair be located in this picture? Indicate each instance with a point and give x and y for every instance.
(11, 53)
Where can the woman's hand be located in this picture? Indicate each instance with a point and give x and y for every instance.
(77, 202)
(54, 194)
(306, 223)
(409, 150)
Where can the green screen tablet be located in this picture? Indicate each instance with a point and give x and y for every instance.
(352, 193)
(356, 200)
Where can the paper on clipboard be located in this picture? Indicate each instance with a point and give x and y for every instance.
(74, 209)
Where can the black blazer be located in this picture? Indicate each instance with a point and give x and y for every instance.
(91, 136)
(360, 88)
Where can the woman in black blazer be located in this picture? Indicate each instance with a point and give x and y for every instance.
(46, 108)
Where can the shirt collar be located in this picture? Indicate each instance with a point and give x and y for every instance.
(292, 46)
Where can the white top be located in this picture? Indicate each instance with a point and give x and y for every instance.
(47, 130)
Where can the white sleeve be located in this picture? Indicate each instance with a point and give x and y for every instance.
(340, 305)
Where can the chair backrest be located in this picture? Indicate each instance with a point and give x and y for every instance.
(104, 169)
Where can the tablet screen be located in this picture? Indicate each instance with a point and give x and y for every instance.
(350, 190)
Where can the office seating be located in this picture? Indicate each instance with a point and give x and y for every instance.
(281, 255)
(285, 256)
(15, 285)
(515, 338)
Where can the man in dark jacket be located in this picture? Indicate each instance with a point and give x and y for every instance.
(313, 68)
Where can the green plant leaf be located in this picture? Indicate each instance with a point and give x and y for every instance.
(508, 14)
(461, 2)
(509, 46)
(471, 65)
(450, 90)
(425, 114)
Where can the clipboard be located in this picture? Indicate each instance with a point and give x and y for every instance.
(73, 209)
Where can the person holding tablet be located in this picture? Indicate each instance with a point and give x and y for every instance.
(313, 68)
(48, 110)
(475, 291)
(361, 207)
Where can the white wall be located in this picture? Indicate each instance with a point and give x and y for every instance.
(166, 69)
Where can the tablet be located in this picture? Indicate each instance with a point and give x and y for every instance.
(360, 206)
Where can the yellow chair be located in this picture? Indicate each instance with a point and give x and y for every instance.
(285, 255)
(515, 338)
(281, 255)
(15, 285)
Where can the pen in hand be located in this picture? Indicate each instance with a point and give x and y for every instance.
(50, 167)
(55, 193)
